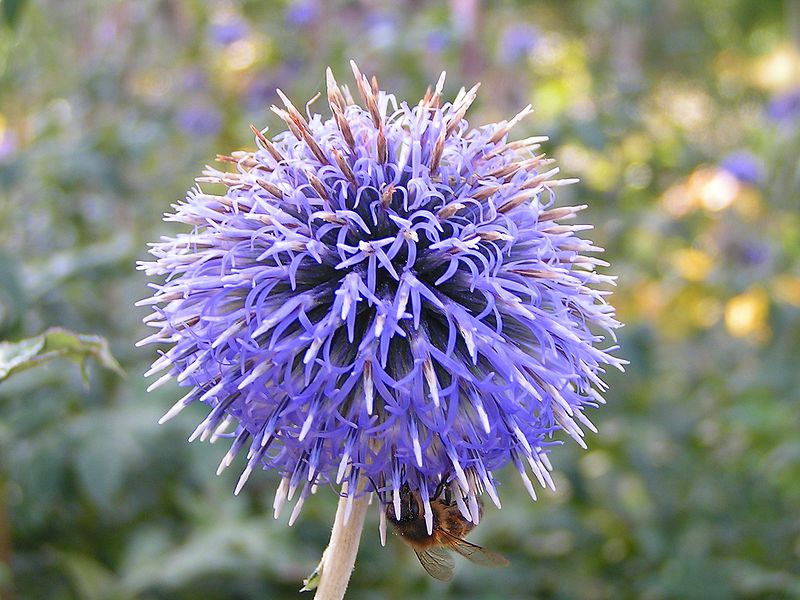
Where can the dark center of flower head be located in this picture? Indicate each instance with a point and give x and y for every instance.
(387, 292)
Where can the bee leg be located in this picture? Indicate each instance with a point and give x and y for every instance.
(439, 489)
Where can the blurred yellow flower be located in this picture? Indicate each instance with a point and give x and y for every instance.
(777, 70)
(151, 84)
(687, 107)
(691, 264)
(678, 201)
(236, 63)
(240, 55)
(746, 314)
(714, 188)
(636, 147)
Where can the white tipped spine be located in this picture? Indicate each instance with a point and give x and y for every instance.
(280, 498)
(382, 526)
(160, 381)
(176, 408)
(296, 510)
(242, 479)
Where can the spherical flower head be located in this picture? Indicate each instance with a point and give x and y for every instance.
(386, 295)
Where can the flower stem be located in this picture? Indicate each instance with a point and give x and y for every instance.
(340, 557)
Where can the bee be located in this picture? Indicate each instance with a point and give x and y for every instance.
(449, 529)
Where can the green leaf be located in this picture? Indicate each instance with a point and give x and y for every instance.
(311, 582)
(19, 355)
(55, 343)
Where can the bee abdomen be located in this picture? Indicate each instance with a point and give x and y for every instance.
(458, 526)
(414, 531)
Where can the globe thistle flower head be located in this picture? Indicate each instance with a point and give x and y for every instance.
(386, 294)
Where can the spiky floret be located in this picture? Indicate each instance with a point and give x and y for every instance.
(389, 293)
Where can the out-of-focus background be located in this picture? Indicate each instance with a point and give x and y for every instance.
(682, 119)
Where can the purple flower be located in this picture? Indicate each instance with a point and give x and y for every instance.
(437, 40)
(745, 166)
(381, 29)
(390, 293)
(746, 252)
(194, 80)
(302, 13)
(784, 106)
(199, 119)
(227, 31)
(754, 253)
(516, 42)
(8, 145)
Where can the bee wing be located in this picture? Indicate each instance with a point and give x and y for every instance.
(437, 562)
(473, 552)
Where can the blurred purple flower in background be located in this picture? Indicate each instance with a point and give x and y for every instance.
(199, 119)
(784, 106)
(8, 144)
(261, 92)
(744, 250)
(755, 253)
(388, 292)
(745, 166)
(228, 30)
(194, 80)
(516, 42)
(302, 13)
(382, 29)
(437, 40)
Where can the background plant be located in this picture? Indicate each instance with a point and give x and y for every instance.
(681, 119)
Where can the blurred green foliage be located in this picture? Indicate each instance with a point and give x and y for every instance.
(677, 116)
(55, 343)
